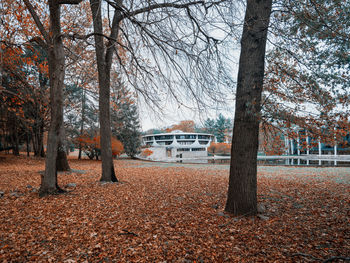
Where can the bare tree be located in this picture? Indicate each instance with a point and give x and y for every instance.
(164, 50)
(54, 45)
(242, 190)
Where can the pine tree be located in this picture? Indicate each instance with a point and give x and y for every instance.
(209, 126)
(125, 120)
(222, 125)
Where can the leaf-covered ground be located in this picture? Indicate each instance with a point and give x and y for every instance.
(171, 213)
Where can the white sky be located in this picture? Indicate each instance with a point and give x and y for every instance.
(173, 114)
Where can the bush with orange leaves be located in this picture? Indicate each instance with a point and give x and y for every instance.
(146, 152)
(219, 148)
(92, 147)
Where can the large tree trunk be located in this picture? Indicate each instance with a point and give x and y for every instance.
(242, 190)
(104, 60)
(56, 74)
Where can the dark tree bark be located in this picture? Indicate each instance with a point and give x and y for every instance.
(38, 139)
(56, 75)
(34, 143)
(27, 143)
(242, 190)
(82, 120)
(104, 55)
(41, 141)
(14, 137)
(56, 58)
(61, 160)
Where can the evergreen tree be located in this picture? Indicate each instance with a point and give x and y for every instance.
(209, 126)
(80, 114)
(222, 125)
(125, 120)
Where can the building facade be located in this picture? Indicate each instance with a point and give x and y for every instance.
(177, 145)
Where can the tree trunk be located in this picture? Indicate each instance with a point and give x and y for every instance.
(82, 120)
(36, 139)
(56, 73)
(15, 143)
(27, 143)
(41, 140)
(104, 58)
(34, 142)
(242, 190)
(62, 161)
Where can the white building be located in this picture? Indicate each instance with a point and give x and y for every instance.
(178, 145)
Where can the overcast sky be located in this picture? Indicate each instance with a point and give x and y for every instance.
(174, 113)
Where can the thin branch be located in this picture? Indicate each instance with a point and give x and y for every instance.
(11, 93)
(69, 2)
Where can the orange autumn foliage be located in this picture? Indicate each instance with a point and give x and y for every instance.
(185, 126)
(146, 153)
(117, 147)
(220, 148)
(92, 146)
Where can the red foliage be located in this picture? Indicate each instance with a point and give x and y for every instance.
(146, 152)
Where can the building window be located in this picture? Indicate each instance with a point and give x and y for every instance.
(191, 136)
(183, 149)
(203, 142)
(185, 142)
(205, 137)
(198, 149)
(164, 137)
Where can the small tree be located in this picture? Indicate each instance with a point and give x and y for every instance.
(88, 145)
(185, 126)
(219, 148)
(146, 152)
(117, 147)
(91, 146)
(125, 119)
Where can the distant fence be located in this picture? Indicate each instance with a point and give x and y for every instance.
(276, 159)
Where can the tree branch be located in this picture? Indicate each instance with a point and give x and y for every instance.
(69, 2)
(37, 21)
(159, 6)
(3, 90)
(117, 17)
